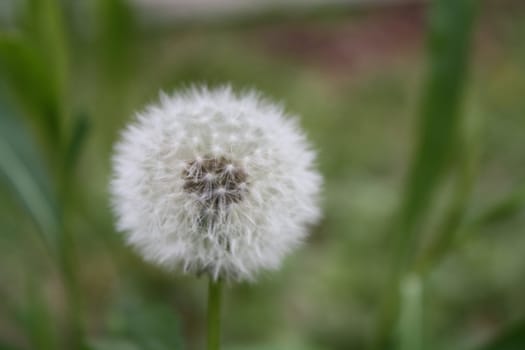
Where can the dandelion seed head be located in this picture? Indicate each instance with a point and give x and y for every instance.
(210, 181)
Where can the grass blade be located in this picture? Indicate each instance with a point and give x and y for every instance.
(21, 68)
(79, 133)
(451, 23)
(449, 36)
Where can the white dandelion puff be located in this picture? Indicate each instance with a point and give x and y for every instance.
(209, 181)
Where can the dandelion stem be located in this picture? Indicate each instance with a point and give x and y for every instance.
(214, 314)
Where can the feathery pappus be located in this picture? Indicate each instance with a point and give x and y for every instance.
(211, 181)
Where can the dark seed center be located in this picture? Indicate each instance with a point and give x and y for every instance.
(217, 182)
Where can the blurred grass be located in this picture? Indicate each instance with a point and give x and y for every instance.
(450, 29)
(22, 168)
(361, 119)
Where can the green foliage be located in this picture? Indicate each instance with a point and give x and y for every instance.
(437, 137)
(44, 29)
(23, 171)
(21, 66)
(116, 34)
(450, 29)
(506, 208)
(79, 134)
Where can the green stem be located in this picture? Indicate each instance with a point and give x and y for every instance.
(214, 314)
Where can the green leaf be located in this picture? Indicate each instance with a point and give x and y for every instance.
(30, 81)
(46, 30)
(440, 115)
(451, 23)
(115, 37)
(467, 160)
(504, 209)
(79, 133)
(22, 170)
(34, 62)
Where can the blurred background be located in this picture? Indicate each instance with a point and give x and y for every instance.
(417, 109)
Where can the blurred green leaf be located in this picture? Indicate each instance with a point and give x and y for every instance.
(511, 339)
(448, 46)
(79, 133)
(45, 28)
(116, 36)
(467, 160)
(34, 64)
(504, 209)
(30, 80)
(450, 29)
(116, 56)
(23, 172)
